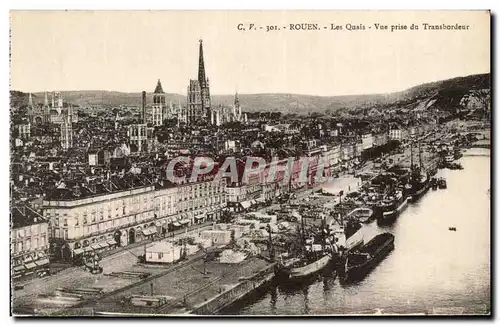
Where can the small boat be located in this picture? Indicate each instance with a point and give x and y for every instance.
(452, 228)
(363, 214)
(442, 183)
(434, 183)
(358, 264)
(455, 166)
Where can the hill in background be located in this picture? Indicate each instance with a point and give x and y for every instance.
(442, 93)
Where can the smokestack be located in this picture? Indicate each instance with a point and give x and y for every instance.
(144, 107)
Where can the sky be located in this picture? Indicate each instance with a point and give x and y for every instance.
(130, 50)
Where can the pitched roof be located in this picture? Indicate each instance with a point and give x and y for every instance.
(159, 89)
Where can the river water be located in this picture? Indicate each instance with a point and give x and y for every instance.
(431, 270)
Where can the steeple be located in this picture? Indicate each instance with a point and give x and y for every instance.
(30, 101)
(180, 113)
(159, 94)
(159, 89)
(201, 67)
(236, 100)
(46, 101)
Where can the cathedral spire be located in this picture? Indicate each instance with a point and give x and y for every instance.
(46, 101)
(30, 101)
(236, 100)
(159, 88)
(201, 66)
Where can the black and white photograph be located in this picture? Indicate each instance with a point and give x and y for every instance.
(250, 163)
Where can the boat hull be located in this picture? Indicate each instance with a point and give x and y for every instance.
(358, 272)
(300, 273)
(390, 216)
(366, 214)
(414, 197)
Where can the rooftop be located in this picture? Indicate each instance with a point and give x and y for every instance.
(23, 216)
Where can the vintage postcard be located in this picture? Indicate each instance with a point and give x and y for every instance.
(250, 163)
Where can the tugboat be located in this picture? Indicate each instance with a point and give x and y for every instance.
(391, 206)
(454, 166)
(358, 264)
(442, 183)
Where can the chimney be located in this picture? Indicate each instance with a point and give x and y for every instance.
(144, 107)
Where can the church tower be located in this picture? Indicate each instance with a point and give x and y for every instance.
(237, 107)
(198, 94)
(159, 94)
(204, 83)
(158, 104)
(46, 109)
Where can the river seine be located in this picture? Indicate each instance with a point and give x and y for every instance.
(431, 270)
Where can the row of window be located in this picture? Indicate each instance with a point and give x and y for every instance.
(85, 219)
(30, 244)
(93, 218)
(77, 231)
(32, 230)
(107, 206)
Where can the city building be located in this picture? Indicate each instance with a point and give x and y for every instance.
(24, 130)
(29, 241)
(367, 140)
(99, 216)
(38, 114)
(333, 157)
(99, 157)
(194, 101)
(396, 132)
(380, 138)
(348, 152)
(138, 136)
(59, 113)
(66, 134)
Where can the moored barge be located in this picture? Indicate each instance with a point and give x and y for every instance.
(358, 264)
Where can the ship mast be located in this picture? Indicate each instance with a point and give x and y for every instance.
(303, 233)
(323, 229)
(420, 156)
(411, 156)
(340, 209)
(271, 247)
